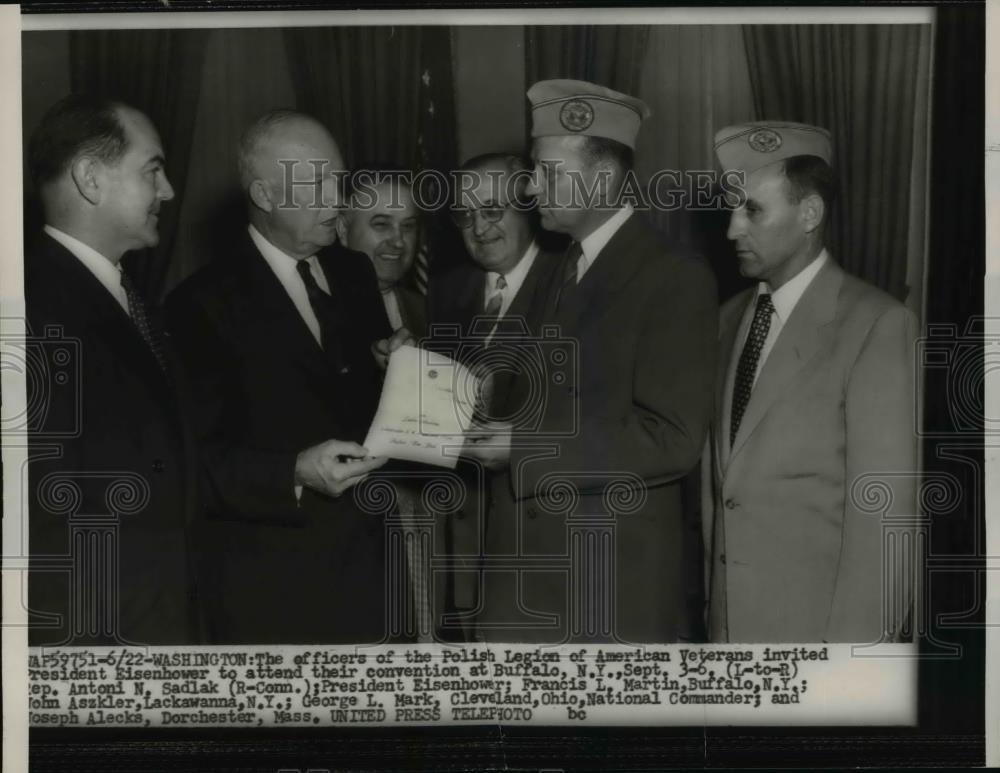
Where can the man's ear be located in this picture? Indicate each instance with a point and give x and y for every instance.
(260, 195)
(811, 211)
(341, 226)
(85, 172)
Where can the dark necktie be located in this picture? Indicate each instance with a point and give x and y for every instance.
(569, 274)
(328, 315)
(748, 362)
(137, 311)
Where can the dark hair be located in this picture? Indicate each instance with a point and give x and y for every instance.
(597, 149)
(511, 163)
(74, 126)
(811, 174)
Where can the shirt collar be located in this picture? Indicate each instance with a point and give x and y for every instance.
(514, 277)
(598, 240)
(108, 274)
(786, 297)
(280, 261)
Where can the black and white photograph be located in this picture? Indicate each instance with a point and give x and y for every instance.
(497, 388)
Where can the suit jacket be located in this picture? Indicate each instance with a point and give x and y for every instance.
(456, 301)
(114, 431)
(281, 570)
(793, 552)
(623, 412)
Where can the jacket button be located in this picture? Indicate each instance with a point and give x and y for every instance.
(158, 465)
(532, 513)
(730, 504)
(722, 559)
(460, 514)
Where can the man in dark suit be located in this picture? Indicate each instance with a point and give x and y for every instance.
(588, 534)
(112, 470)
(480, 315)
(276, 337)
(382, 221)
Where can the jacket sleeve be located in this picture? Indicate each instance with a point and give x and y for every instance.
(874, 587)
(248, 483)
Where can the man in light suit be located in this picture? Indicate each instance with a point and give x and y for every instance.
(382, 221)
(277, 337)
(117, 432)
(815, 392)
(584, 540)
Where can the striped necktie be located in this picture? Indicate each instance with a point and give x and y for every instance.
(494, 304)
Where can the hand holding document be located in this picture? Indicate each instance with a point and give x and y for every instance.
(383, 348)
(426, 408)
(489, 444)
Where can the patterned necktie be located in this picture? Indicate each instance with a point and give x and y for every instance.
(327, 314)
(749, 357)
(494, 304)
(137, 311)
(570, 275)
(482, 370)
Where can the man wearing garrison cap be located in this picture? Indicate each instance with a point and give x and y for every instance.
(814, 414)
(643, 315)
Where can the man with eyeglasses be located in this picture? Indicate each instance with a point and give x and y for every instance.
(498, 226)
(488, 300)
(643, 314)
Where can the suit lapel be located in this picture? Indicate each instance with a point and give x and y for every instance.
(104, 314)
(519, 315)
(472, 302)
(729, 334)
(274, 308)
(409, 309)
(610, 271)
(799, 340)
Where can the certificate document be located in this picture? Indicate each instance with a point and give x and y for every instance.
(426, 407)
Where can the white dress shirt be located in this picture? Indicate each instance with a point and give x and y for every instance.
(784, 300)
(108, 274)
(391, 302)
(284, 267)
(592, 245)
(514, 279)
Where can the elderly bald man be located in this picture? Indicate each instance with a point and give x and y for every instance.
(277, 336)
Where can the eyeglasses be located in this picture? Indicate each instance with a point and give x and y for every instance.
(464, 218)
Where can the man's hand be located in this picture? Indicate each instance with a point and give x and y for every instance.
(383, 348)
(334, 466)
(489, 444)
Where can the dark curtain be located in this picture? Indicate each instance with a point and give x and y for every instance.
(159, 72)
(385, 92)
(607, 55)
(858, 81)
(387, 95)
(951, 687)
